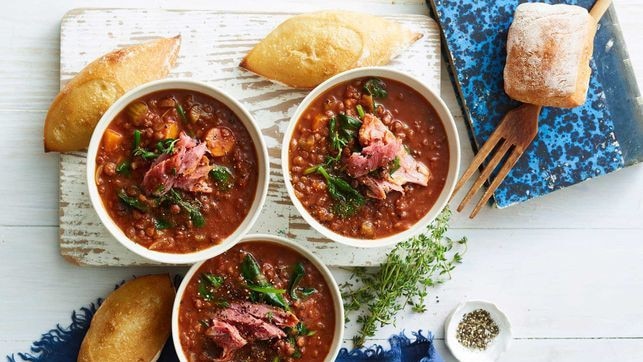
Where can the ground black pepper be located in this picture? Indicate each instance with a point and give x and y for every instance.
(477, 329)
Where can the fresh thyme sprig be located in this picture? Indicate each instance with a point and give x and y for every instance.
(402, 280)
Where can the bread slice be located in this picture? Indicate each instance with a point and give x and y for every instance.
(81, 103)
(307, 49)
(132, 324)
(548, 53)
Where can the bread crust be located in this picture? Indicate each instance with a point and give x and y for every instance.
(81, 103)
(548, 52)
(307, 49)
(132, 324)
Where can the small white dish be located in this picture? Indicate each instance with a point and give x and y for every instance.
(262, 160)
(496, 347)
(338, 304)
(452, 138)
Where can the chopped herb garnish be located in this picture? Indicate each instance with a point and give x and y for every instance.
(360, 111)
(166, 146)
(191, 208)
(253, 276)
(347, 200)
(208, 282)
(394, 165)
(140, 151)
(181, 112)
(161, 224)
(205, 323)
(376, 88)
(124, 168)
(222, 176)
(132, 201)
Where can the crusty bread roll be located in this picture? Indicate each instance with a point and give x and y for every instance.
(132, 324)
(548, 53)
(78, 107)
(307, 49)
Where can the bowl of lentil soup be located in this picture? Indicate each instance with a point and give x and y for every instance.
(265, 299)
(371, 157)
(177, 171)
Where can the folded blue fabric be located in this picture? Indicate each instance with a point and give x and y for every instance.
(62, 344)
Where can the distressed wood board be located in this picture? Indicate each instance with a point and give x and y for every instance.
(213, 44)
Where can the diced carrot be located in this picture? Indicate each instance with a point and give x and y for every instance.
(112, 140)
(220, 140)
(319, 121)
(170, 130)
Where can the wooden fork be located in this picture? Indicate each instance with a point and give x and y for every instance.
(511, 138)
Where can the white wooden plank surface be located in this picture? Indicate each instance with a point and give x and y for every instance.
(212, 45)
(596, 226)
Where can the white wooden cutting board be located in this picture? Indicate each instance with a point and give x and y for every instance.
(213, 44)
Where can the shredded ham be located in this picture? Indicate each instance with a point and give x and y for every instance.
(254, 328)
(227, 337)
(382, 147)
(276, 316)
(182, 169)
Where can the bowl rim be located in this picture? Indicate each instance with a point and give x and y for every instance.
(245, 118)
(453, 139)
(338, 303)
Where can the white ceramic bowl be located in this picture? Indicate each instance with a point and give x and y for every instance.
(496, 347)
(262, 159)
(452, 137)
(328, 277)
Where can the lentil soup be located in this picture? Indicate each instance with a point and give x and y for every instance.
(259, 301)
(177, 171)
(368, 158)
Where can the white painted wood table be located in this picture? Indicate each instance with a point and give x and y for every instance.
(567, 268)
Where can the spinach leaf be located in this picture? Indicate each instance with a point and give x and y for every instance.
(297, 274)
(265, 290)
(140, 151)
(191, 208)
(181, 112)
(376, 88)
(293, 286)
(360, 111)
(124, 168)
(394, 165)
(306, 292)
(342, 129)
(166, 146)
(348, 201)
(161, 224)
(251, 272)
(132, 201)
(222, 176)
(302, 330)
(208, 282)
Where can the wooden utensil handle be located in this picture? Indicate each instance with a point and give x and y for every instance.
(599, 8)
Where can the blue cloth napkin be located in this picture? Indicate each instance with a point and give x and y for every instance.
(62, 344)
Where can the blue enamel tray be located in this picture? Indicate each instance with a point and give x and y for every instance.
(573, 145)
